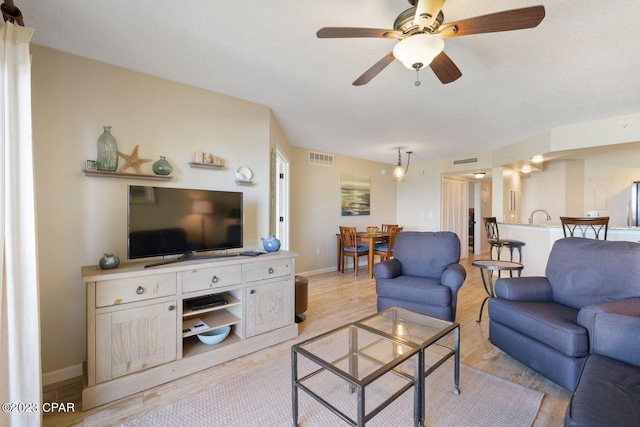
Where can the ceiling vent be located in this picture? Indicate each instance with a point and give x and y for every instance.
(463, 161)
(321, 159)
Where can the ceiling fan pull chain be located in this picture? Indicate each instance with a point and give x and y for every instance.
(417, 83)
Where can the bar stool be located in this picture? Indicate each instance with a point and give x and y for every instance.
(493, 238)
(571, 224)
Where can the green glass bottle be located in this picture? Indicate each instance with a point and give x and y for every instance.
(107, 151)
(162, 167)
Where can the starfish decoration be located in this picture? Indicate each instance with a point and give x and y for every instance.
(132, 161)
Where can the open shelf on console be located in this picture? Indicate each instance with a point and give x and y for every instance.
(186, 312)
(192, 346)
(215, 319)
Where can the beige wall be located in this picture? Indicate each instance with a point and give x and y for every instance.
(79, 218)
(315, 206)
(607, 185)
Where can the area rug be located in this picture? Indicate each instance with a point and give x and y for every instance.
(262, 397)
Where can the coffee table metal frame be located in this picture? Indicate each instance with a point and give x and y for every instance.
(399, 319)
(396, 316)
(491, 265)
(354, 384)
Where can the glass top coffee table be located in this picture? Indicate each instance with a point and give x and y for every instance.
(379, 357)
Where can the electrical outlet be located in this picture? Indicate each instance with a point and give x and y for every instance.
(317, 251)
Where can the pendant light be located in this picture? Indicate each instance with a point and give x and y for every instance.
(398, 172)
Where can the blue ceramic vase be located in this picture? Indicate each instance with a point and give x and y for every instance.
(271, 244)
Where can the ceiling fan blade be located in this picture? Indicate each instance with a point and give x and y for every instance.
(426, 12)
(444, 68)
(347, 32)
(516, 19)
(374, 70)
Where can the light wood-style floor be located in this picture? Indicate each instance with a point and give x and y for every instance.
(334, 299)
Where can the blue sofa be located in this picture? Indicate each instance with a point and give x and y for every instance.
(424, 274)
(608, 389)
(546, 322)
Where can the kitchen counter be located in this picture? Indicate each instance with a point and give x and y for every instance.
(539, 238)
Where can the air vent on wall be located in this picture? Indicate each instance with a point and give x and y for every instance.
(321, 159)
(463, 161)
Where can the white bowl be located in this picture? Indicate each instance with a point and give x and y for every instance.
(214, 336)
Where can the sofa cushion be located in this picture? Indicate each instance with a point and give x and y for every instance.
(551, 324)
(607, 394)
(587, 271)
(443, 250)
(417, 289)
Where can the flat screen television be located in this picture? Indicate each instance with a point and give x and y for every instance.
(178, 221)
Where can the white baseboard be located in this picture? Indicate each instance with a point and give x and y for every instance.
(332, 269)
(62, 374)
(314, 272)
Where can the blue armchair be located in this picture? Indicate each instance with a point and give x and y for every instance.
(424, 274)
(546, 322)
(608, 390)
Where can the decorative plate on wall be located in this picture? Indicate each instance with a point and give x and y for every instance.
(244, 175)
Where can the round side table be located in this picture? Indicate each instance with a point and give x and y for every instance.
(489, 266)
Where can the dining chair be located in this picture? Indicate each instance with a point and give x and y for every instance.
(351, 248)
(385, 249)
(493, 238)
(386, 227)
(571, 224)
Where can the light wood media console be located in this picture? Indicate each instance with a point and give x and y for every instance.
(135, 315)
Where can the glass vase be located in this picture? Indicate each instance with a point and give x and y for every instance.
(162, 167)
(107, 151)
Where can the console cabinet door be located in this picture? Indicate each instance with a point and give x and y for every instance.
(134, 339)
(268, 307)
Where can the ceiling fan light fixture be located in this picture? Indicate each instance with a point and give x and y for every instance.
(417, 51)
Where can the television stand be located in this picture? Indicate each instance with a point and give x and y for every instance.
(139, 321)
(191, 256)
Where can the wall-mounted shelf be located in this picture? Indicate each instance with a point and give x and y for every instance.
(91, 172)
(205, 165)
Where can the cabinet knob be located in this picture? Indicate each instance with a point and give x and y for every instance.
(270, 270)
(252, 291)
(214, 279)
(171, 307)
(139, 290)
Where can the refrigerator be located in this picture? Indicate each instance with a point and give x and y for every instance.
(634, 208)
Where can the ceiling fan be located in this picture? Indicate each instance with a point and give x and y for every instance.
(421, 33)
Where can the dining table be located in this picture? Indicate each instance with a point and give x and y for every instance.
(370, 239)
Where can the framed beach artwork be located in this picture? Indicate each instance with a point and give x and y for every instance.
(355, 194)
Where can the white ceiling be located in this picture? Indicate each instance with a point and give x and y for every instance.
(580, 64)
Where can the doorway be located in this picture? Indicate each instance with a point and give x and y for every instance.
(282, 199)
(475, 218)
(455, 210)
(462, 212)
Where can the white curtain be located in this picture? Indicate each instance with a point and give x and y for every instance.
(20, 370)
